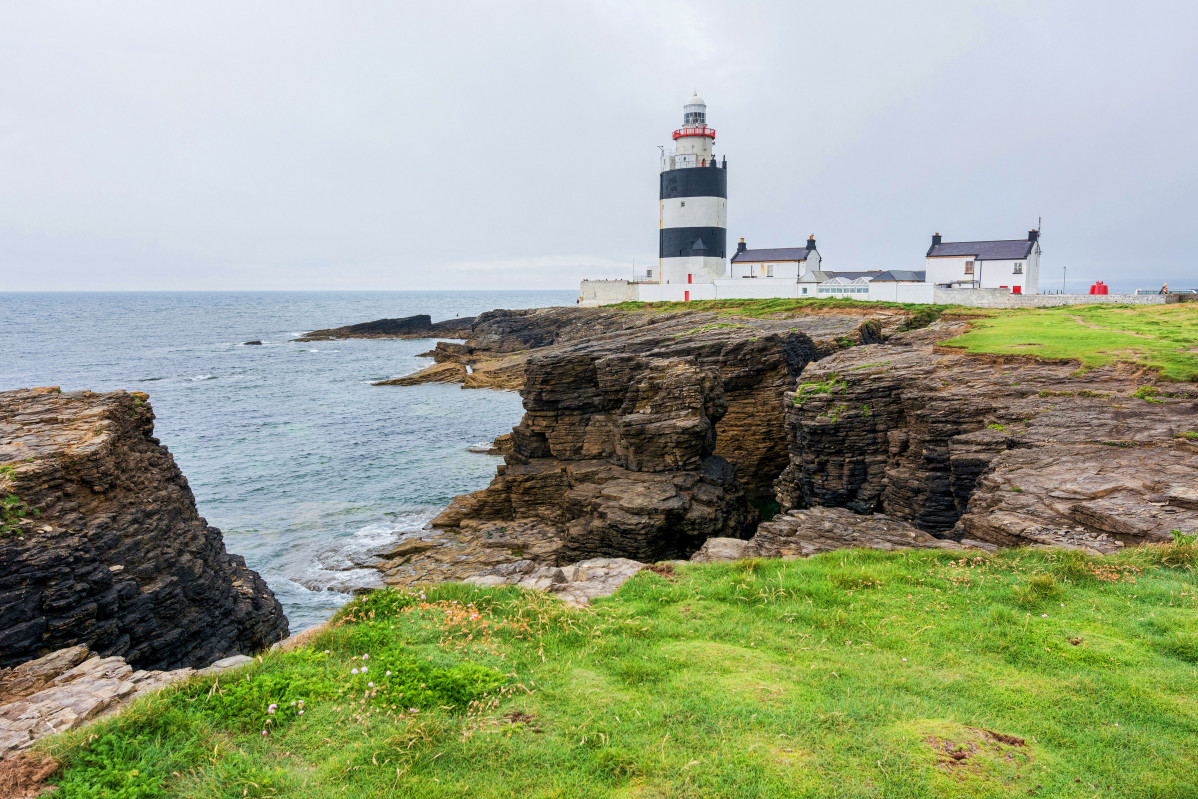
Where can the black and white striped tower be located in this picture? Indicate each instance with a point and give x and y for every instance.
(694, 203)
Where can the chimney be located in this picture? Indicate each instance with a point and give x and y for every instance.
(935, 239)
(1032, 235)
(811, 242)
(740, 247)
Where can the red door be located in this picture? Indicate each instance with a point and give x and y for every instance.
(1017, 289)
(686, 297)
(688, 279)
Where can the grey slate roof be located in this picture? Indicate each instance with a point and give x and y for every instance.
(900, 276)
(775, 254)
(870, 275)
(984, 250)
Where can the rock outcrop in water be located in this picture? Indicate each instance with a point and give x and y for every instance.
(102, 545)
(419, 326)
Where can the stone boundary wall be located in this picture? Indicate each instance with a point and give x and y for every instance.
(1002, 298)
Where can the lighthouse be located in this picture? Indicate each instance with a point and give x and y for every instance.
(693, 212)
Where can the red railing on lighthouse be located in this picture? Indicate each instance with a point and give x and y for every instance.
(700, 130)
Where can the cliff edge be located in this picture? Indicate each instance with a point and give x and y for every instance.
(101, 543)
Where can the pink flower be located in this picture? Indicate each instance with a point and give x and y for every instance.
(353, 671)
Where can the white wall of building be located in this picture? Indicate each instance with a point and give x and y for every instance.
(765, 269)
(694, 212)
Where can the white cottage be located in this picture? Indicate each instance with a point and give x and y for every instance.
(1011, 264)
(789, 263)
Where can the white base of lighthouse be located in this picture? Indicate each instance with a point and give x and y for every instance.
(692, 270)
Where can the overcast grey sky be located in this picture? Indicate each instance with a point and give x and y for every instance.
(430, 145)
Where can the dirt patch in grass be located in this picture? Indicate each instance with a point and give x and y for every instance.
(666, 570)
(24, 776)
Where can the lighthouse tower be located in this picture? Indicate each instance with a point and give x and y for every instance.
(694, 203)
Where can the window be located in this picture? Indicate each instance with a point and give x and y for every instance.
(804, 289)
(969, 267)
(1018, 269)
(769, 271)
(684, 203)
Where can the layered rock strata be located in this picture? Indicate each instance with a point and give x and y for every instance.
(614, 458)
(101, 543)
(1007, 451)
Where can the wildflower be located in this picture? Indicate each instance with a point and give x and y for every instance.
(365, 657)
(272, 708)
(388, 674)
(370, 684)
(904, 660)
(363, 669)
(1044, 615)
(353, 671)
(301, 712)
(326, 651)
(293, 703)
(264, 732)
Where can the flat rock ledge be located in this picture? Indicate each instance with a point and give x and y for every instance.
(802, 533)
(577, 584)
(72, 687)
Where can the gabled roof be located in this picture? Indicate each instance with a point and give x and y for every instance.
(774, 254)
(815, 276)
(901, 276)
(984, 250)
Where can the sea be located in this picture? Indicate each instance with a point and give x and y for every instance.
(287, 446)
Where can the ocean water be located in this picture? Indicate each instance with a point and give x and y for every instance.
(288, 448)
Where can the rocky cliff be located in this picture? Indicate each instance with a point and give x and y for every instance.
(646, 434)
(1009, 451)
(101, 543)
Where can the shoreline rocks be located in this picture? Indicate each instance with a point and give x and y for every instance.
(72, 687)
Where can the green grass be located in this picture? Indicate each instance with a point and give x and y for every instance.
(920, 315)
(1160, 337)
(851, 674)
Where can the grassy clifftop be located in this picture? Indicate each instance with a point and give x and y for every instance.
(1158, 337)
(850, 674)
(1162, 338)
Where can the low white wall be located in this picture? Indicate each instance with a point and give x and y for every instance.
(674, 292)
(605, 292)
(1002, 298)
(762, 288)
(901, 292)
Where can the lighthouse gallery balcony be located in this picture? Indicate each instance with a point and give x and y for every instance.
(695, 130)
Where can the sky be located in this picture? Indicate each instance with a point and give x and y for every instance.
(513, 145)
